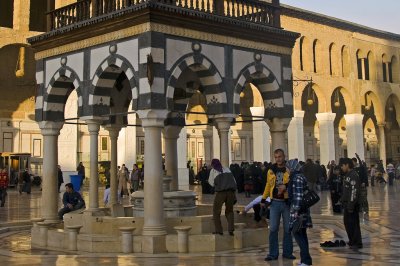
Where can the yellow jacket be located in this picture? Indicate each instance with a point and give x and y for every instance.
(270, 185)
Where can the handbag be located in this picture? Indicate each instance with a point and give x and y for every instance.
(297, 224)
(310, 198)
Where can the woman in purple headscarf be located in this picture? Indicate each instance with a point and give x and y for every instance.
(225, 188)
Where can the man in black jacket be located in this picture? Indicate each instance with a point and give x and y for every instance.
(350, 201)
(72, 201)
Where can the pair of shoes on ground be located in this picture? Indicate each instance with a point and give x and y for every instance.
(269, 257)
(330, 244)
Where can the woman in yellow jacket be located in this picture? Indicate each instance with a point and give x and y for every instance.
(276, 189)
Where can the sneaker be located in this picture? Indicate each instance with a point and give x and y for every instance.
(290, 257)
(303, 264)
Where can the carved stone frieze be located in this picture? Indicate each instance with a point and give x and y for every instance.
(177, 31)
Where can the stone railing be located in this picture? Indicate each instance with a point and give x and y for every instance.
(245, 10)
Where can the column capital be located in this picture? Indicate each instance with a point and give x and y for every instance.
(113, 130)
(325, 116)
(50, 128)
(355, 118)
(172, 132)
(382, 124)
(278, 124)
(93, 125)
(152, 117)
(223, 123)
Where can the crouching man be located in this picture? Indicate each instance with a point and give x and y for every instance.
(72, 201)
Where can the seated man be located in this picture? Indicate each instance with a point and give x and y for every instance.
(72, 201)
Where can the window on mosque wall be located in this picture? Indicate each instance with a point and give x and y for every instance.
(37, 16)
(345, 62)
(104, 144)
(6, 13)
(141, 146)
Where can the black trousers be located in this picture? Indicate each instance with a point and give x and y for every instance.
(352, 224)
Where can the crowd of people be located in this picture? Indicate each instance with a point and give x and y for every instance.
(284, 186)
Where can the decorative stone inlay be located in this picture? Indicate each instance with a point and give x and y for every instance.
(63, 61)
(113, 49)
(167, 29)
(196, 47)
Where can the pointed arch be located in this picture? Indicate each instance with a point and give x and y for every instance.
(104, 80)
(277, 102)
(210, 84)
(51, 104)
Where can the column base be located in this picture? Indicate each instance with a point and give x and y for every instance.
(154, 244)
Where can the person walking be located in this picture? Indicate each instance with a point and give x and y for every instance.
(335, 186)
(350, 201)
(26, 182)
(4, 180)
(81, 171)
(225, 188)
(134, 179)
(296, 189)
(312, 172)
(276, 189)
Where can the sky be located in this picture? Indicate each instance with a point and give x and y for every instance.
(377, 14)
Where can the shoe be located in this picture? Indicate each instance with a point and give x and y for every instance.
(217, 233)
(290, 257)
(356, 247)
(269, 258)
(303, 264)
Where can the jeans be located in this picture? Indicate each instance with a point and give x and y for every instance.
(278, 209)
(302, 240)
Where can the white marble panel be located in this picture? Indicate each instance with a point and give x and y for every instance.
(175, 50)
(97, 55)
(287, 98)
(274, 64)
(129, 50)
(75, 61)
(52, 66)
(39, 77)
(240, 60)
(156, 53)
(216, 55)
(287, 73)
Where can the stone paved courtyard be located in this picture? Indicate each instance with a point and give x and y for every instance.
(381, 237)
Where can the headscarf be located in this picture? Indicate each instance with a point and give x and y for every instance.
(216, 164)
(293, 165)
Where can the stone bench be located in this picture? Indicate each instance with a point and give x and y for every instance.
(183, 238)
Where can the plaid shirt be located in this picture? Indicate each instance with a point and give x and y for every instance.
(297, 187)
(3, 180)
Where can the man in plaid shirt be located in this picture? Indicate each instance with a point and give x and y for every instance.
(3, 186)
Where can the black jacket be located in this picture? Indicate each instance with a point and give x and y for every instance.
(351, 190)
